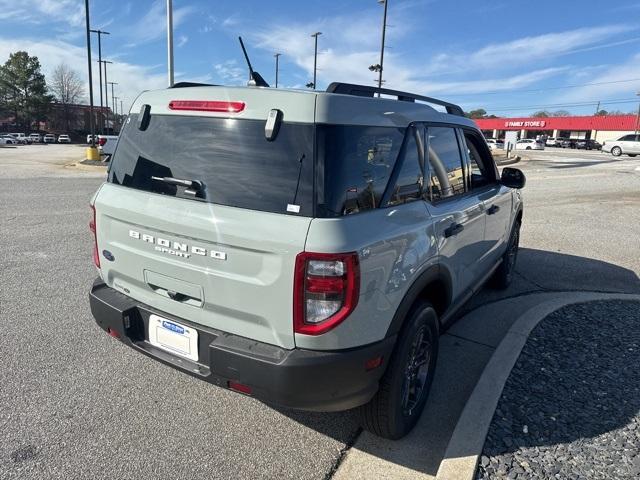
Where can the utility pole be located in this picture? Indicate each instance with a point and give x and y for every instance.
(170, 41)
(384, 32)
(638, 117)
(277, 55)
(315, 58)
(100, 33)
(121, 110)
(91, 119)
(113, 100)
(597, 110)
(106, 92)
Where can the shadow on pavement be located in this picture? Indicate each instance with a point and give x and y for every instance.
(461, 362)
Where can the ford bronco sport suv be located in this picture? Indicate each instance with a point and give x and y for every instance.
(302, 247)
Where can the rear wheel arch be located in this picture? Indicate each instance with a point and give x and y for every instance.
(433, 286)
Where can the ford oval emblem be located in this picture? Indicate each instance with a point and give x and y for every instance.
(108, 255)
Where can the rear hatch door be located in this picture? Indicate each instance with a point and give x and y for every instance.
(222, 252)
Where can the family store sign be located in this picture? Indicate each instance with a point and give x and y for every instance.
(528, 123)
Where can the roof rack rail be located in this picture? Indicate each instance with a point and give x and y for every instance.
(191, 84)
(367, 91)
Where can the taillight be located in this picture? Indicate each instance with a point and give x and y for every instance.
(102, 141)
(92, 227)
(326, 290)
(207, 106)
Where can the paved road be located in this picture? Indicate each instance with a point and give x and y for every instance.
(74, 403)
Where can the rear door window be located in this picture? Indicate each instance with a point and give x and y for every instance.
(446, 164)
(231, 158)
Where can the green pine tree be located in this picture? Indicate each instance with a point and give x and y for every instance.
(23, 89)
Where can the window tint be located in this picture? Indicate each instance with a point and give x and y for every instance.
(232, 159)
(628, 138)
(482, 171)
(447, 175)
(408, 186)
(354, 163)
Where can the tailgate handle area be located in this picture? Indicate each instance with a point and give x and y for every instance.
(174, 289)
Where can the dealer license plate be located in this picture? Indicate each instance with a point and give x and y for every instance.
(173, 337)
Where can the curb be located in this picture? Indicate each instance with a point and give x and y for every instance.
(509, 162)
(467, 441)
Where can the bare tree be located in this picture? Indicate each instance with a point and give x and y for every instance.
(68, 88)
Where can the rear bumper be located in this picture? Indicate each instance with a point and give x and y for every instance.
(300, 379)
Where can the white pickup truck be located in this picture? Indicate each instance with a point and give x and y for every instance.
(107, 145)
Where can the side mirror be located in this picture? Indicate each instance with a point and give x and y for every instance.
(513, 178)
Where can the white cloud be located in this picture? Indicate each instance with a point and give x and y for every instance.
(353, 49)
(132, 79)
(523, 51)
(182, 40)
(43, 11)
(153, 24)
(230, 73)
(605, 91)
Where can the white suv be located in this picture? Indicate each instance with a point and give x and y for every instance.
(629, 145)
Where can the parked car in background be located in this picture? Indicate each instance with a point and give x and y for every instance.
(552, 142)
(8, 140)
(628, 145)
(568, 143)
(495, 144)
(64, 138)
(22, 138)
(35, 137)
(588, 145)
(49, 138)
(107, 145)
(529, 144)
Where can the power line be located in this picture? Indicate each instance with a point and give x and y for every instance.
(565, 105)
(501, 92)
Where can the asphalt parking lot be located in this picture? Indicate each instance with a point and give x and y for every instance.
(75, 403)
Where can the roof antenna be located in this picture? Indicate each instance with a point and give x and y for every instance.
(255, 79)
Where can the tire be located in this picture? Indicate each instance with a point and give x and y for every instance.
(503, 275)
(404, 387)
(616, 151)
(528, 148)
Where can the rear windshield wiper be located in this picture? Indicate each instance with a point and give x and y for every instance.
(192, 187)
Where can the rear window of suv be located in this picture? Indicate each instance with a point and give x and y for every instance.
(231, 158)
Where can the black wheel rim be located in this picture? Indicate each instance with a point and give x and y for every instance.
(416, 373)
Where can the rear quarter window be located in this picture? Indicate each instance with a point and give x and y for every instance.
(355, 164)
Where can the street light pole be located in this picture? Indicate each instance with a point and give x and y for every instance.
(277, 55)
(91, 119)
(384, 32)
(315, 58)
(170, 41)
(100, 33)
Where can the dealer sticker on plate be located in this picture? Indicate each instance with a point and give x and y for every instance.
(173, 337)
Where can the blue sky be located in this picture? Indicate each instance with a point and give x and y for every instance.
(510, 57)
